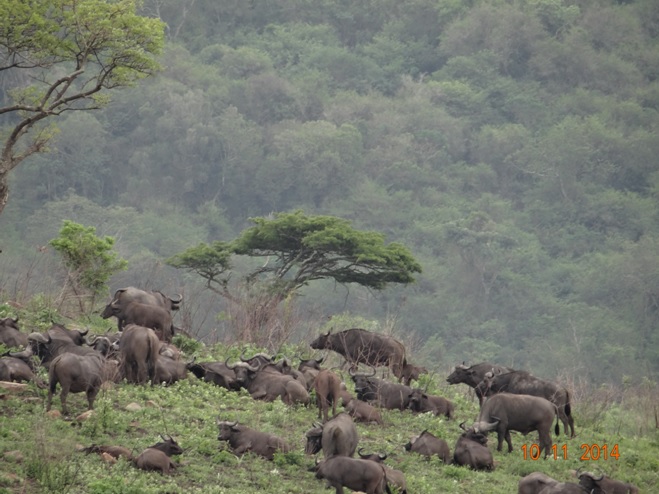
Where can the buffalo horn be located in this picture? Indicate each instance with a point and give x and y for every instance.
(178, 300)
(462, 426)
(83, 333)
(362, 455)
(38, 337)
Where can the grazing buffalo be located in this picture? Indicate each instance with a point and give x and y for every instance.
(505, 412)
(125, 296)
(539, 483)
(215, 372)
(75, 374)
(523, 383)
(420, 402)
(428, 445)
(158, 456)
(601, 484)
(149, 316)
(10, 334)
(472, 376)
(265, 382)
(471, 450)
(358, 475)
(138, 352)
(361, 346)
(242, 439)
(15, 370)
(361, 411)
(328, 392)
(337, 436)
(394, 477)
(392, 396)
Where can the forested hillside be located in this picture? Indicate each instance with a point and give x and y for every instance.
(512, 146)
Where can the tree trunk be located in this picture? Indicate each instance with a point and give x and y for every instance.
(4, 189)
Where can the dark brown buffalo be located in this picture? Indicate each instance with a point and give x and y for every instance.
(359, 346)
(125, 296)
(328, 392)
(539, 483)
(10, 334)
(77, 337)
(361, 411)
(471, 450)
(601, 484)
(265, 382)
(411, 373)
(158, 456)
(337, 436)
(393, 477)
(358, 475)
(15, 370)
(169, 371)
(75, 374)
(46, 347)
(392, 396)
(149, 316)
(215, 372)
(310, 369)
(505, 412)
(473, 375)
(242, 440)
(523, 383)
(138, 352)
(420, 402)
(428, 445)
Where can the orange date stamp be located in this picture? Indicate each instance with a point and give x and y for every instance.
(589, 452)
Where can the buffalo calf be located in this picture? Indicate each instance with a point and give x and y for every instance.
(427, 444)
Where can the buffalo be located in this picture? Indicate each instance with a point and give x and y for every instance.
(125, 296)
(602, 484)
(361, 346)
(47, 347)
(151, 316)
(328, 391)
(264, 382)
(168, 370)
(429, 445)
(215, 372)
(521, 382)
(473, 375)
(10, 334)
(393, 477)
(361, 411)
(242, 439)
(75, 374)
(77, 337)
(539, 483)
(337, 436)
(359, 475)
(471, 450)
(158, 456)
(411, 373)
(15, 369)
(420, 402)
(138, 349)
(310, 369)
(505, 412)
(392, 396)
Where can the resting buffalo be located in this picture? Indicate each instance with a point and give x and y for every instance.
(264, 382)
(168, 370)
(361, 411)
(149, 316)
(215, 372)
(337, 436)
(77, 337)
(539, 483)
(138, 352)
(505, 412)
(523, 383)
(601, 484)
(391, 396)
(15, 369)
(158, 456)
(10, 334)
(421, 402)
(361, 346)
(472, 376)
(471, 450)
(75, 374)
(393, 477)
(242, 440)
(328, 391)
(358, 475)
(125, 296)
(428, 445)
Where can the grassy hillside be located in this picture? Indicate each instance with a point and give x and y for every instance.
(39, 452)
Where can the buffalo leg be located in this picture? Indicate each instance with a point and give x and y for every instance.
(509, 441)
(62, 397)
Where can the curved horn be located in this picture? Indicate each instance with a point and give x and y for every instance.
(382, 456)
(229, 366)
(83, 333)
(178, 300)
(39, 337)
(361, 455)
(462, 426)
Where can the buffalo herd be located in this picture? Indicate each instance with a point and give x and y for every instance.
(141, 352)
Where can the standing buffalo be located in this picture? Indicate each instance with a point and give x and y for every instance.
(505, 412)
(138, 350)
(601, 484)
(337, 436)
(523, 383)
(242, 439)
(75, 374)
(359, 346)
(125, 296)
(147, 315)
(471, 450)
(428, 445)
(411, 373)
(472, 376)
(328, 391)
(10, 334)
(358, 475)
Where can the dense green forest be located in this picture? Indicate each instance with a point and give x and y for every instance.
(511, 145)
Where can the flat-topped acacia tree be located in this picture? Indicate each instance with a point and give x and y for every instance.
(65, 55)
(298, 249)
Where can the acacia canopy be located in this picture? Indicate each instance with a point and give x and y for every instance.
(301, 248)
(62, 55)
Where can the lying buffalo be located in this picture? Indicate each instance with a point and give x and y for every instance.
(393, 477)
(539, 483)
(243, 440)
(361, 411)
(471, 450)
(392, 396)
(10, 334)
(358, 475)
(602, 484)
(15, 369)
(428, 445)
(158, 456)
(421, 402)
(505, 412)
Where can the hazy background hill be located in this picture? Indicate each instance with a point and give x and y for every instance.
(512, 146)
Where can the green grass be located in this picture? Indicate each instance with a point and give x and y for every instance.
(49, 460)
